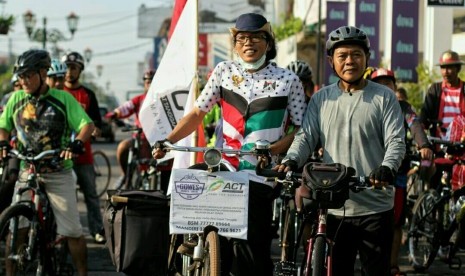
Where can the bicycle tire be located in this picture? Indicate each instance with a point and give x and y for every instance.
(102, 170)
(21, 264)
(212, 258)
(424, 231)
(288, 232)
(319, 257)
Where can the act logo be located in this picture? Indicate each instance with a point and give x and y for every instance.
(189, 187)
(233, 187)
(216, 185)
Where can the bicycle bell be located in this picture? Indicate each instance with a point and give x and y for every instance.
(212, 157)
(262, 146)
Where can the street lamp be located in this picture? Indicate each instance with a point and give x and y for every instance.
(43, 35)
(99, 70)
(87, 54)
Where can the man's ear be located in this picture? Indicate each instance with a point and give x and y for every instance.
(368, 55)
(330, 60)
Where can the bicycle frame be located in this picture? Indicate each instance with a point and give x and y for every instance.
(146, 179)
(42, 213)
(433, 224)
(318, 259)
(214, 161)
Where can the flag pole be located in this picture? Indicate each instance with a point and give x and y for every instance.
(195, 83)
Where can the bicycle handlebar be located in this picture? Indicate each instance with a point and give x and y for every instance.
(30, 157)
(356, 183)
(228, 152)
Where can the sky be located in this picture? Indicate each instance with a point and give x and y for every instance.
(107, 27)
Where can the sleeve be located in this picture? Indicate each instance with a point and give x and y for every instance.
(394, 133)
(307, 136)
(413, 122)
(6, 119)
(77, 116)
(126, 109)
(296, 103)
(94, 111)
(211, 92)
(430, 109)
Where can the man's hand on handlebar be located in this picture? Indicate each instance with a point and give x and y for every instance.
(382, 177)
(4, 148)
(72, 150)
(288, 165)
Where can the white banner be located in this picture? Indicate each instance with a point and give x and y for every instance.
(164, 104)
(200, 198)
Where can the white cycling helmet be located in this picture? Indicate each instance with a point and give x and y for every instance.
(57, 69)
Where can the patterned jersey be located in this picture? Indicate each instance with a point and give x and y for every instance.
(254, 105)
(45, 123)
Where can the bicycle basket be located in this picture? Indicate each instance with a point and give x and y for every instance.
(328, 183)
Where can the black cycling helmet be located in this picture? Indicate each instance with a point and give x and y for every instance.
(347, 35)
(32, 60)
(73, 57)
(301, 69)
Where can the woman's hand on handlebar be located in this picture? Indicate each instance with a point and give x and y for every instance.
(158, 150)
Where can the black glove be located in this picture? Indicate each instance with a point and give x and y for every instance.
(5, 145)
(292, 164)
(382, 174)
(76, 146)
(160, 144)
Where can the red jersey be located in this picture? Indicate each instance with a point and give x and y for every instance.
(88, 101)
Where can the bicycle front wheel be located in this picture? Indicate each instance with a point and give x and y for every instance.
(424, 231)
(21, 258)
(211, 262)
(319, 267)
(102, 170)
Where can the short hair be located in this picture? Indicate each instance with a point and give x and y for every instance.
(402, 91)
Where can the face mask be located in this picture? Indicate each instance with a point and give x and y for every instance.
(251, 66)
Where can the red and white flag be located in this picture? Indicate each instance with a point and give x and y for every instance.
(173, 84)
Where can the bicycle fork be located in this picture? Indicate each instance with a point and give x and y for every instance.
(321, 232)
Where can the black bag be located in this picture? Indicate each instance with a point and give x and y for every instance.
(328, 183)
(137, 232)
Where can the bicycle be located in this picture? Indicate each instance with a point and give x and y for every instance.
(289, 222)
(102, 170)
(40, 251)
(141, 173)
(329, 185)
(433, 222)
(202, 250)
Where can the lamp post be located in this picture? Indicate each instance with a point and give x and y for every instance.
(99, 70)
(88, 54)
(42, 34)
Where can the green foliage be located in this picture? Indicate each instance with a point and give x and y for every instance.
(290, 27)
(416, 91)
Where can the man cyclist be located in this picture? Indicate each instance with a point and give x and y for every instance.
(386, 77)
(83, 166)
(359, 124)
(44, 118)
(56, 74)
(256, 98)
(124, 111)
(304, 71)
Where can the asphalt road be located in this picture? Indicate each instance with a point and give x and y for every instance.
(99, 261)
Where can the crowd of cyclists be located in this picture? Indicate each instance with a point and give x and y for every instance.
(361, 121)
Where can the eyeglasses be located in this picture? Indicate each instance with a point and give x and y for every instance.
(148, 80)
(26, 75)
(242, 39)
